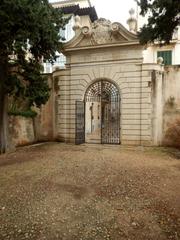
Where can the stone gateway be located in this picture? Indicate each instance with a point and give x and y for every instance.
(106, 94)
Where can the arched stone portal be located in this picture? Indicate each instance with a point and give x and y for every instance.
(102, 51)
(102, 113)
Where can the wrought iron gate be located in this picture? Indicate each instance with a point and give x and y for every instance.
(80, 122)
(110, 121)
(107, 94)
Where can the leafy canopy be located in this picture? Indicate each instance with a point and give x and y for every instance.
(29, 33)
(163, 19)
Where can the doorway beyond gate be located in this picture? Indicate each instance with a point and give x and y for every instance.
(98, 117)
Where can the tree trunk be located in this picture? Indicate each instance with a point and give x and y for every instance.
(3, 111)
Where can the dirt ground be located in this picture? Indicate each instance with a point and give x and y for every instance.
(55, 191)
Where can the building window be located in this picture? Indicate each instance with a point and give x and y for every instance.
(62, 33)
(67, 33)
(60, 60)
(166, 55)
(47, 67)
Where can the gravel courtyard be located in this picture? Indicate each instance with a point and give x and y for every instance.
(55, 191)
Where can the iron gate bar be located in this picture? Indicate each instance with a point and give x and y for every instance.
(108, 95)
(110, 129)
(80, 122)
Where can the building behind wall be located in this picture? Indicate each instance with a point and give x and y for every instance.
(71, 8)
(170, 52)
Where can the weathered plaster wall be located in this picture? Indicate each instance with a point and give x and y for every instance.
(172, 84)
(157, 105)
(21, 131)
(27, 130)
(171, 89)
(45, 121)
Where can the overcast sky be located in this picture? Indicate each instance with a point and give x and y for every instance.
(114, 10)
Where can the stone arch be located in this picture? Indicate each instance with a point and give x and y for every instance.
(98, 80)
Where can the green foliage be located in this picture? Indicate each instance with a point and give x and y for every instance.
(163, 19)
(26, 113)
(32, 86)
(29, 33)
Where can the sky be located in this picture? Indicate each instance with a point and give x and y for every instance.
(114, 10)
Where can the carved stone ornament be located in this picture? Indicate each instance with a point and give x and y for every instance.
(101, 32)
(86, 31)
(115, 28)
(77, 23)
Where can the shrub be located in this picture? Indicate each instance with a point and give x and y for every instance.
(26, 113)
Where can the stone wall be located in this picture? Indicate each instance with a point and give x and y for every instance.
(157, 105)
(171, 89)
(149, 103)
(21, 131)
(25, 131)
(45, 121)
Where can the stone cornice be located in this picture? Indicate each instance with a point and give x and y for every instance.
(72, 49)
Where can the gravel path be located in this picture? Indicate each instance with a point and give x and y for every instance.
(55, 191)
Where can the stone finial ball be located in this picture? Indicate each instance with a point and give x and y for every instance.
(77, 18)
(160, 60)
(131, 11)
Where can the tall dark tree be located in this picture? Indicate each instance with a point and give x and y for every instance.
(163, 19)
(29, 32)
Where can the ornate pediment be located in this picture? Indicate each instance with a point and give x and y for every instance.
(101, 32)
